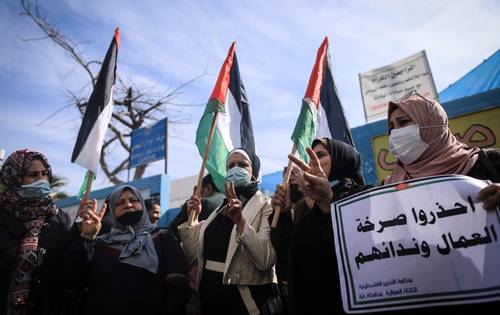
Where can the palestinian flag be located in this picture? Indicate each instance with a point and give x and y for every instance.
(233, 126)
(321, 114)
(98, 111)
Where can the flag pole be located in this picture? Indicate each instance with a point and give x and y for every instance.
(88, 188)
(194, 216)
(285, 182)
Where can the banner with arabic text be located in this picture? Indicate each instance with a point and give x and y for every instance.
(381, 85)
(420, 243)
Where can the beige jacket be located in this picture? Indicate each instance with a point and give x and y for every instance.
(250, 256)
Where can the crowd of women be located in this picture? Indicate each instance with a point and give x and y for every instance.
(50, 265)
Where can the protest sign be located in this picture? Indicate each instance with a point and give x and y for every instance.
(419, 243)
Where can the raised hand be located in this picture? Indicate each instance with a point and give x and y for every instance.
(91, 220)
(194, 205)
(314, 181)
(281, 198)
(234, 207)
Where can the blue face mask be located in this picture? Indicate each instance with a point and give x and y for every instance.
(239, 176)
(36, 190)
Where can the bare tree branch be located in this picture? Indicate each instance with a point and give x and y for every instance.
(120, 167)
(139, 171)
(106, 143)
(120, 137)
(33, 39)
(54, 113)
(123, 121)
(104, 165)
(135, 106)
(53, 33)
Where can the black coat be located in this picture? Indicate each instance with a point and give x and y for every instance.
(305, 250)
(114, 287)
(305, 247)
(47, 294)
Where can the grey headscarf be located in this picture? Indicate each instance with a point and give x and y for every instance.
(134, 241)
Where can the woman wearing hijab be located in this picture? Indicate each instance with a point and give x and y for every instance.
(135, 268)
(232, 246)
(32, 237)
(424, 146)
(304, 239)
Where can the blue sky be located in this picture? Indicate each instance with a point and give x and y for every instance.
(165, 43)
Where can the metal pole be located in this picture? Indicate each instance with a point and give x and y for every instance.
(363, 98)
(166, 144)
(428, 66)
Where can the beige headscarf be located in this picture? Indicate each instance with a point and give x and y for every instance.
(445, 154)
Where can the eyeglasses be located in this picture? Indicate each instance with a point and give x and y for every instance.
(123, 202)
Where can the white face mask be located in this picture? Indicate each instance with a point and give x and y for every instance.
(239, 176)
(405, 143)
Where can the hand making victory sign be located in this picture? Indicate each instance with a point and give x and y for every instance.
(234, 207)
(314, 181)
(91, 224)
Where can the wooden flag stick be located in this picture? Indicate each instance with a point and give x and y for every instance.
(285, 182)
(88, 188)
(86, 195)
(192, 215)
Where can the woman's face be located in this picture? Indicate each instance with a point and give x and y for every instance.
(127, 202)
(34, 172)
(237, 159)
(324, 158)
(399, 119)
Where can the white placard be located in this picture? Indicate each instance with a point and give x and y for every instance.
(394, 81)
(424, 242)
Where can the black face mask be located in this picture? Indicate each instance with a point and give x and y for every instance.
(247, 191)
(129, 218)
(295, 193)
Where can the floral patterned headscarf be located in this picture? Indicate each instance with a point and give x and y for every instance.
(33, 213)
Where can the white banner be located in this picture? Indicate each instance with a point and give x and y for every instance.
(394, 81)
(420, 243)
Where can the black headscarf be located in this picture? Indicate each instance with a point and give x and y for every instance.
(345, 160)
